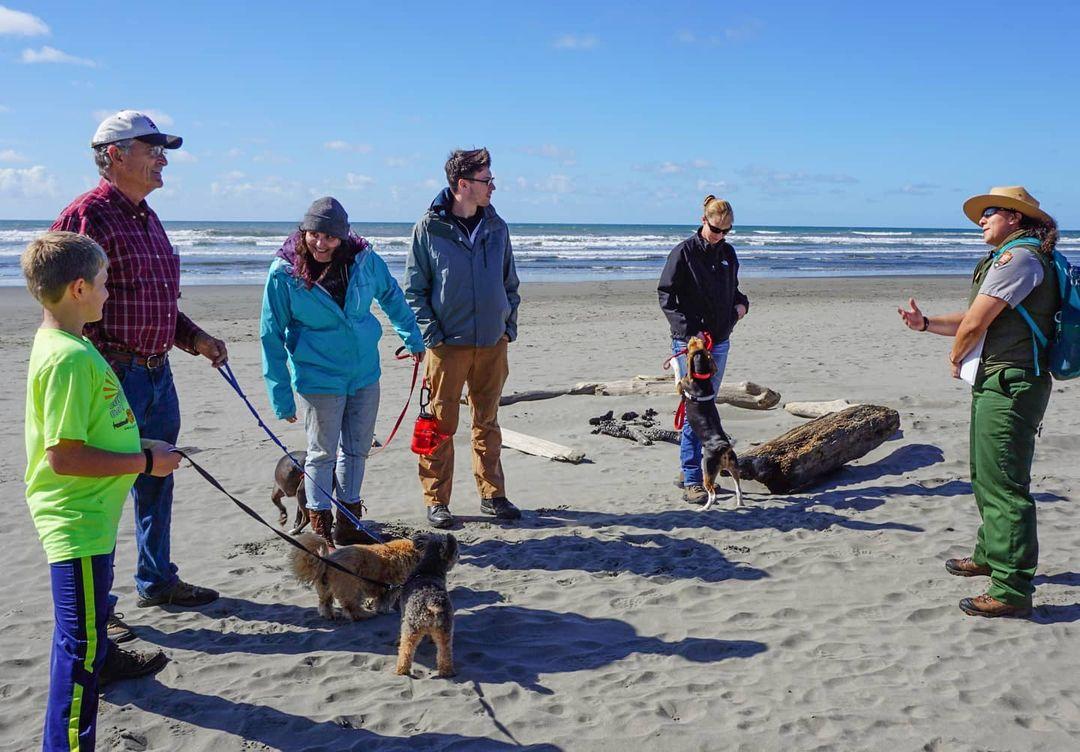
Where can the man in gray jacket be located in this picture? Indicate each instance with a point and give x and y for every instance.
(461, 283)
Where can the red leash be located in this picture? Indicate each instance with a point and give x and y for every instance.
(412, 387)
(680, 411)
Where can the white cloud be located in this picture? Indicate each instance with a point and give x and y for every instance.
(28, 182)
(346, 146)
(161, 119)
(10, 155)
(551, 151)
(236, 185)
(786, 181)
(18, 23)
(181, 156)
(52, 55)
(430, 183)
(715, 186)
(745, 31)
(402, 161)
(575, 42)
(917, 189)
(668, 167)
(4, 109)
(234, 153)
(356, 182)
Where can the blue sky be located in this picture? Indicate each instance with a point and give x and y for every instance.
(824, 113)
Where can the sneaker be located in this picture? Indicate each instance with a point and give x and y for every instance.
(501, 508)
(181, 594)
(439, 515)
(695, 493)
(116, 630)
(123, 664)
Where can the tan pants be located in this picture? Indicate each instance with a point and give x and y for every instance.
(449, 368)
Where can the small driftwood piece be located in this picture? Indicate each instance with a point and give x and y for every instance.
(540, 447)
(743, 394)
(640, 428)
(816, 409)
(805, 454)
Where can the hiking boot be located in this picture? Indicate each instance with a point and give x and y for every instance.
(439, 515)
(345, 532)
(966, 567)
(116, 630)
(181, 594)
(123, 664)
(985, 605)
(501, 508)
(322, 523)
(695, 493)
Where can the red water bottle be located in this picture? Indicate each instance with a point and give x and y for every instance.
(426, 435)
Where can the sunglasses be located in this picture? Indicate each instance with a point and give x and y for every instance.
(718, 230)
(992, 210)
(485, 181)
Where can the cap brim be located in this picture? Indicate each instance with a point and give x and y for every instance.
(976, 205)
(161, 139)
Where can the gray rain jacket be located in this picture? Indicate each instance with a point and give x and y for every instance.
(462, 292)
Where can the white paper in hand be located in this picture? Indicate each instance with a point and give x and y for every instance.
(969, 366)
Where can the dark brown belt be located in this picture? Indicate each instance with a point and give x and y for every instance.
(149, 362)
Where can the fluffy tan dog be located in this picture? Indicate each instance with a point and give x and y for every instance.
(389, 563)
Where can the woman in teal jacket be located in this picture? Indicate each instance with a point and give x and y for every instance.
(317, 324)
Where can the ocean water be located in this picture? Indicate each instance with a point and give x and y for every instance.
(241, 252)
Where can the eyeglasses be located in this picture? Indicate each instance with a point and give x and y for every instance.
(485, 181)
(992, 210)
(718, 230)
(154, 151)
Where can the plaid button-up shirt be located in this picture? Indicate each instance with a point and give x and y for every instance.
(141, 314)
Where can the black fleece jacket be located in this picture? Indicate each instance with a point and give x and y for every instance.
(699, 289)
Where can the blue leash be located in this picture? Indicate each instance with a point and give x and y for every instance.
(227, 374)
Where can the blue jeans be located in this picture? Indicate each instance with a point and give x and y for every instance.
(80, 589)
(339, 430)
(689, 446)
(152, 396)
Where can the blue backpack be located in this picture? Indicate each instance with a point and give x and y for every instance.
(1064, 341)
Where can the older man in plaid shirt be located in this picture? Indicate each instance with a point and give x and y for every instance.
(140, 325)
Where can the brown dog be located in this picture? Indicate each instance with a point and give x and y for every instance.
(289, 481)
(385, 564)
(426, 610)
(717, 456)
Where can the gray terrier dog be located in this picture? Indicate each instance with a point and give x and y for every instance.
(426, 610)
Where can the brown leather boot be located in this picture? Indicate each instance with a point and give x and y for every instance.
(322, 521)
(345, 532)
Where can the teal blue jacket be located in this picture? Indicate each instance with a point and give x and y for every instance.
(329, 350)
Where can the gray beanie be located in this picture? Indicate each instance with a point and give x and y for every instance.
(328, 216)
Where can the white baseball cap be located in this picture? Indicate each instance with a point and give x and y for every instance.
(131, 124)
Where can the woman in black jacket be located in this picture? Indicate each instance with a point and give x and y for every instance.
(699, 294)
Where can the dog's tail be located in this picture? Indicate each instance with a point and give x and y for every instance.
(305, 567)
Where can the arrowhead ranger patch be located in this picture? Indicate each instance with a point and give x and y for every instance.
(1003, 259)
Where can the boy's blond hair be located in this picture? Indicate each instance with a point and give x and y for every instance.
(54, 260)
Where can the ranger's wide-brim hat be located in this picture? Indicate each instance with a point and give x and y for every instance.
(1011, 197)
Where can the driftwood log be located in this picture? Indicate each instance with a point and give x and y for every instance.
(816, 409)
(540, 447)
(745, 394)
(640, 428)
(805, 454)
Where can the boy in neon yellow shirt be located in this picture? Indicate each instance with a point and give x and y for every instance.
(83, 453)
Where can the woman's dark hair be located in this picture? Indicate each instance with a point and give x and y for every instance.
(1045, 231)
(343, 256)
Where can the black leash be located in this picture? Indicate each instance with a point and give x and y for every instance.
(287, 538)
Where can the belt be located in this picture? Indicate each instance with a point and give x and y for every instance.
(149, 362)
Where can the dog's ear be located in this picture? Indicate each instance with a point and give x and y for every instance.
(451, 550)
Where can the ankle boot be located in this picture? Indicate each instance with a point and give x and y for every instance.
(345, 532)
(322, 521)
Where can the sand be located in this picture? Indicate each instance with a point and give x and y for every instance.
(614, 613)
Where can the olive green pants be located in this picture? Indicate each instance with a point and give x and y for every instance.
(1006, 410)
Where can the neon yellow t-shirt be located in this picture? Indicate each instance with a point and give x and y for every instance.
(72, 393)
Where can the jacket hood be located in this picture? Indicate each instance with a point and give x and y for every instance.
(287, 252)
(444, 202)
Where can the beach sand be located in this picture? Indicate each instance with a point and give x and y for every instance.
(614, 613)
